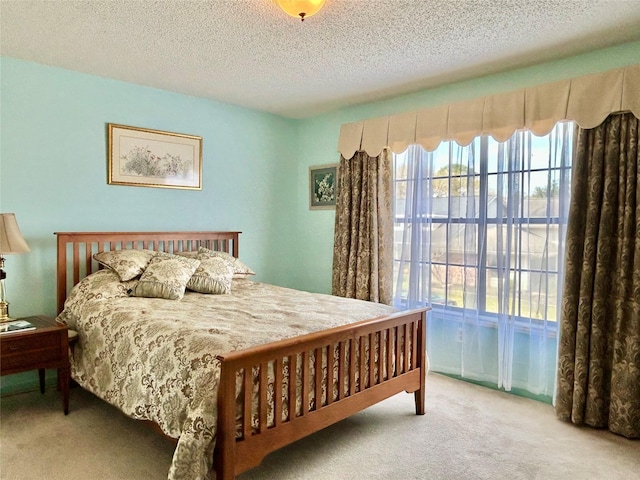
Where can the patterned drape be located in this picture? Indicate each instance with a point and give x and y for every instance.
(363, 238)
(599, 351)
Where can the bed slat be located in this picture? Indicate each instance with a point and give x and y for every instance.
(389, 354)
(361, 370)
(398, 351)
(341, 370)
(293, 386)
(305, 382)
(331, 357)
(352, 367)
(372, 365)
(262, 397)
(246, 402)
(277, 391)
(318, 378)
(407, 340)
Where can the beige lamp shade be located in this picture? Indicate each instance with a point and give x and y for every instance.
(11, 239)
(301, 8)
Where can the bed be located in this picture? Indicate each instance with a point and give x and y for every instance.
(205, 368)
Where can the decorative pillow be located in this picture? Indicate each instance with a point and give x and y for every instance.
(189, 254)
(101, 285)
(214, 275)
(240, 270)
(128, 264)
(166, 276)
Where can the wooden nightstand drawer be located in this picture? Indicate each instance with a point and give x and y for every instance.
(29, 359)
(10, 346)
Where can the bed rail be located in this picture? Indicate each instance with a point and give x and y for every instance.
(76, 250)
(363, 376)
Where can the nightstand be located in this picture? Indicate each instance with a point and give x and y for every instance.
(45, 347)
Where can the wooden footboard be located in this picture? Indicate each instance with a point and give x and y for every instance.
(373, 359)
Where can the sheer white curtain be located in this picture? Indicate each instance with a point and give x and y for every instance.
(479, 236)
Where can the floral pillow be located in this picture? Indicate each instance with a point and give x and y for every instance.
(166, 276)
(240, 270)
(100, 285)
(128, 264)
(214, 275)
(187, 254)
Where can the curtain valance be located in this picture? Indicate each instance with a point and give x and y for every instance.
(586, 100)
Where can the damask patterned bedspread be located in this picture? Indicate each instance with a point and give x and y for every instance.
(155, 359)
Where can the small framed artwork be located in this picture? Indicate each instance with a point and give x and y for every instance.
(142, 157)
(323, 186)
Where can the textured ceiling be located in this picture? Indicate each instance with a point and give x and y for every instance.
(250, 53)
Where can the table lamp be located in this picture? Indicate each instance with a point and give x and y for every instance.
(11, 242)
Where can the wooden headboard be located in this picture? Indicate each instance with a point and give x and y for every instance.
(76, 250)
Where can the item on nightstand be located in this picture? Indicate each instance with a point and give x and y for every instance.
(11, 242)
(16, 326)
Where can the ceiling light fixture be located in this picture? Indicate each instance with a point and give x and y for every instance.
(301, 8)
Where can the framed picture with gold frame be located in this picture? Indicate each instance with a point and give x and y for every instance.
(323, 187)
(142, 157)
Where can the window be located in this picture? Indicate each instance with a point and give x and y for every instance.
(481, 228)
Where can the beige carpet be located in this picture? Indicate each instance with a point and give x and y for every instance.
(469, 432)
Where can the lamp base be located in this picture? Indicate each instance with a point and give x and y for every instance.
(4, 312)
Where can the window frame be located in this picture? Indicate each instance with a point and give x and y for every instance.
(483, 221)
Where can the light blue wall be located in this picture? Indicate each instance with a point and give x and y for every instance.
(53, 171)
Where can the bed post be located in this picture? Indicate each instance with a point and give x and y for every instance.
(225, 449)
(422, 350)
(61, 272)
